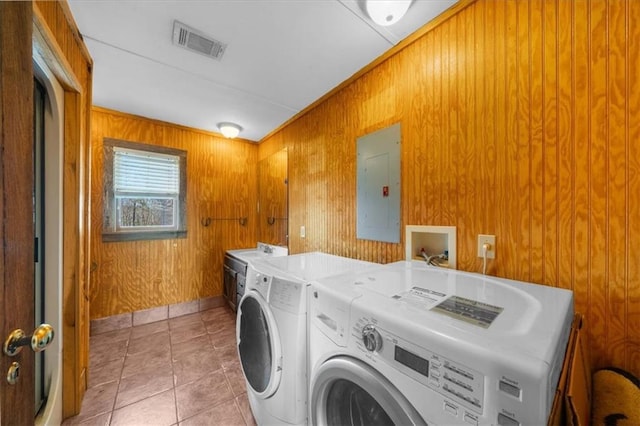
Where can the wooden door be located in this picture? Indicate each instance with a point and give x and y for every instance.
(16, 205)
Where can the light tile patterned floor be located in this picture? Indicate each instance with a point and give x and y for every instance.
(180, 371)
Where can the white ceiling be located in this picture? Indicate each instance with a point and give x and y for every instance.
(282, 55)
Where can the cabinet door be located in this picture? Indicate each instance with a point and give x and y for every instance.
(229, 289)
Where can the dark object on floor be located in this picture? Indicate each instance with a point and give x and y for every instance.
(616, 398)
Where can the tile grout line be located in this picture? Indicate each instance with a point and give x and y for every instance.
(124, 361)
(173, 374)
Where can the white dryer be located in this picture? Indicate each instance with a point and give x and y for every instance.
(272, 332)
(409, 344)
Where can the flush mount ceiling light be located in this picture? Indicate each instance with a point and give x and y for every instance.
(387, 12)
(229, 130)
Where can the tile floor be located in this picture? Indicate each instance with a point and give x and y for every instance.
(180, 371)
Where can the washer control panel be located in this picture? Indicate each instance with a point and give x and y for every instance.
(447, 377)
(259, 281)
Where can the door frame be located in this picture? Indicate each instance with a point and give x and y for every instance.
(76, 198)
(52, 249)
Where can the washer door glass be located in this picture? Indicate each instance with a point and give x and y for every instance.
(346, 391)
(258, 345)
(349, 404)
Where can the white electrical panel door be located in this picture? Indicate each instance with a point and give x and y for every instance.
(378, 182)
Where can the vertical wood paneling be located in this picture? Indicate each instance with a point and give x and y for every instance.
(426, 152)
(447, 121)
(500, 225)
(550, 144)
(518, 118)
(598, 174)
(221, 185)
(617, 181)
(510, 256)
(632, 95)
(523, 150)
(488, 161)
(535, 181)
(566, 154)
(581, 171)
(468, 142)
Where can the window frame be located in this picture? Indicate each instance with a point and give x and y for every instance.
(111, 232)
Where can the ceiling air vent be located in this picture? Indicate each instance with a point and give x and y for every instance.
(194, 40)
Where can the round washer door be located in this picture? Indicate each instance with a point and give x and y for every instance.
(259, 346)
(346, 391)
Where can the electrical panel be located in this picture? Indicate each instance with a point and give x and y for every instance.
(378, 185)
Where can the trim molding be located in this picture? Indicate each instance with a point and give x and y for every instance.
(160, 313)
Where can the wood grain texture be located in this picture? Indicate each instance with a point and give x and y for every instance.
(17, 227)
(71, 58)
(221, 186)
(519, 119)
(632, 95)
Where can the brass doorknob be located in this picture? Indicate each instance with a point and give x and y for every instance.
(39, 340)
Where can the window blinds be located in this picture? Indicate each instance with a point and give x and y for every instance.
(145, 173)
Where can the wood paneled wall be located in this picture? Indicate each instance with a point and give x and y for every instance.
(221, 185)
(70, 61)
(519, 119)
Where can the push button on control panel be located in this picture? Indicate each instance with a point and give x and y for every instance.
(504, 420)
(509, 389)
(451, 409)
(471, 419)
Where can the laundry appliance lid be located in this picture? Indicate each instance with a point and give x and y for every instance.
(311, 266)
(478, 310)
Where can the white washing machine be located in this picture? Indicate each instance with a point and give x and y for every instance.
(410, 344)
(272, 332)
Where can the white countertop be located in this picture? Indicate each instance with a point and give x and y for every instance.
(262, 250)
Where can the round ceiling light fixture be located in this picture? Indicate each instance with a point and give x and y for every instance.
(229, 130)
(387, 12)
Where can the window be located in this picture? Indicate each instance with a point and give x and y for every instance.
(145, 191)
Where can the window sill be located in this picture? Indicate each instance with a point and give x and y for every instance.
(142, 235)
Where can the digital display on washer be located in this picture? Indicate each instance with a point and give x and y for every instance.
(412, 361)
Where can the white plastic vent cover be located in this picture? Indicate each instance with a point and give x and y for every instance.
(194, 40)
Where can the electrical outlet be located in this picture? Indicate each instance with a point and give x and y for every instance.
(303, 231)
(488, 239)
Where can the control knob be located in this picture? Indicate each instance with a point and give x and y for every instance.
(371, 338)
